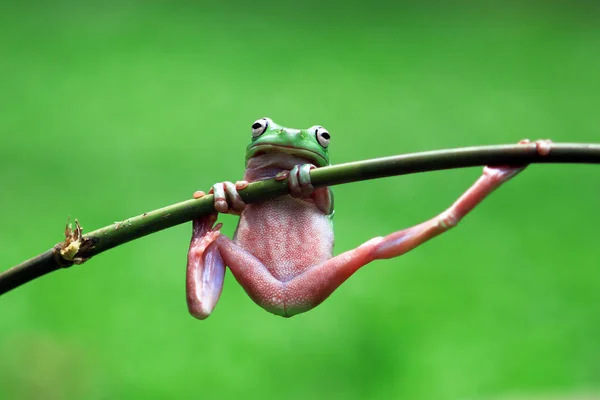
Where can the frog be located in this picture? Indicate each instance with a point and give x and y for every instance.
(282, 250)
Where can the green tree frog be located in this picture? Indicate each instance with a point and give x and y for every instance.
(282, 250)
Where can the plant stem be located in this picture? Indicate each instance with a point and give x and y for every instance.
(118, 233)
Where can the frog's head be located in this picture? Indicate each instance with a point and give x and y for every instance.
(310, 144)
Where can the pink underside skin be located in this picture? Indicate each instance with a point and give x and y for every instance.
(280, 238)
(286, 234)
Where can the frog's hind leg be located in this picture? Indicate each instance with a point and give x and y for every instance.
(313, 286)
(400, 242)
(405, 240)
(258, 282)
(209, 253)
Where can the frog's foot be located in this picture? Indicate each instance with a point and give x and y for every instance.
(299, 181)
(400, 242)
(503, 173)
(226, 196)
(205, 267)
(203, 225)
(204, 233)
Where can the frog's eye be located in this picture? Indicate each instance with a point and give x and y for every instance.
(259, 127)
(322, 135)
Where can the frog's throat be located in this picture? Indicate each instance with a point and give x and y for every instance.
(265, 148)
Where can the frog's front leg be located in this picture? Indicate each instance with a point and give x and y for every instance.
(226, 196)
(300, 186)
(205, 267)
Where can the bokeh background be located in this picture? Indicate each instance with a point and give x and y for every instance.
(109, 110)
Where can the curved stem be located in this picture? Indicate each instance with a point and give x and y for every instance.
(95, 242)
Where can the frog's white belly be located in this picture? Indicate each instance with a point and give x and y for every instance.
(287, 234)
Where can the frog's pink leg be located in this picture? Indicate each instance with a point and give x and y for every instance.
(315, 285)
(262, 287)
(309, 289)
(205, 268)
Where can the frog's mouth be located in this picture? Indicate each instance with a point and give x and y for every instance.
(265, 148)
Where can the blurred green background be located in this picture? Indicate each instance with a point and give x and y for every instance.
(112, 110)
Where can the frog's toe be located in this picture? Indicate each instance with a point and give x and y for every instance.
(282, 175)
(227, 197)
(204, 224)
(299, 181)
(504, 173)
(239, 185)
(198, 194)
(304, 175)
(543, 146)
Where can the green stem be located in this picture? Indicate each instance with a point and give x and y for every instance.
(133, 228)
